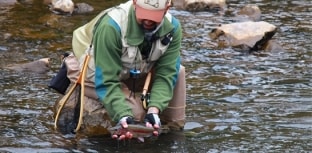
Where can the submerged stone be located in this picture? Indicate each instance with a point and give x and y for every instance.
(38, 66)
(249, 13)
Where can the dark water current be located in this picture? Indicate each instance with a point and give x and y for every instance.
(235, 102)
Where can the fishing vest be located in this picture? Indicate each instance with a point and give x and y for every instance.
(131, 55)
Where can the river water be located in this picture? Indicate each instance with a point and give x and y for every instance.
(235, 102)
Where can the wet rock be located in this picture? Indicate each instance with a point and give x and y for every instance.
(38, 66)
(82, 8)
(273, 46)
(249, 13)
(67, 7)
(62, 6)
(251, 35)
(204, 5)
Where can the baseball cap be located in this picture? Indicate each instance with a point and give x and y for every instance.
(151, 9)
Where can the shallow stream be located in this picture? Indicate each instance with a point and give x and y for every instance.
(235, 102)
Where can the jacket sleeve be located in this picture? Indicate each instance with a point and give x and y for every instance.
(166, 72)
(108, 65)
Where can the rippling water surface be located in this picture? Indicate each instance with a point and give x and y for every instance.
(235, 102)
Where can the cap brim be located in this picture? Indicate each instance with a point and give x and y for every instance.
(154, 15)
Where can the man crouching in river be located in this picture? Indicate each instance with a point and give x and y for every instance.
(134, 44)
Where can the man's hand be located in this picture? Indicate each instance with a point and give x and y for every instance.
(152, 120)
(124, 121)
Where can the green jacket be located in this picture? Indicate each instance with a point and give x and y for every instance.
(108, 50)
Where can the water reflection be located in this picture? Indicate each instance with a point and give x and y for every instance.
(236, 102)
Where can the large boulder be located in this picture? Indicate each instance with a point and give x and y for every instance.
(253, 35)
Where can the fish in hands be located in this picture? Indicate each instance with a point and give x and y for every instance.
(131, 131)
(126, 129)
